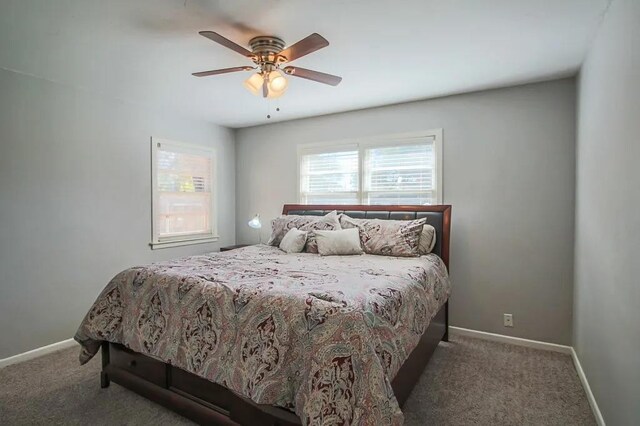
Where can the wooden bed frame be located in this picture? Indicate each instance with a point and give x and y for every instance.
(208, 403)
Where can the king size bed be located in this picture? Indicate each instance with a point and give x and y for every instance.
(257, 336)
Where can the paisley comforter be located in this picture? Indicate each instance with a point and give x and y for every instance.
(321, 336)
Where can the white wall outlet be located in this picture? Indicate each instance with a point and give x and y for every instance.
(508, 320)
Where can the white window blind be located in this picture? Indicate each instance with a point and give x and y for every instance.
(329, 177)
(384, 171)
(401, 174)
(183, 206)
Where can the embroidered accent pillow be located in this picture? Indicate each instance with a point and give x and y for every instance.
(387, 237)
(342, 242)
(427, 239)
(293, 241)
(282, 224)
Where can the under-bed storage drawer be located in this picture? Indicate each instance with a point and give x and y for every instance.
(209, 392)
(142, 366)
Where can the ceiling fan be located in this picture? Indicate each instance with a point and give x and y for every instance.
(268, 54)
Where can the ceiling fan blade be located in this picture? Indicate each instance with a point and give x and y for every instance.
(305, 46)
(221, 71)
(320, 77)
(226, 43)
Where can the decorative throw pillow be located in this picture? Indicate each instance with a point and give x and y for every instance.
(343, 242)
(387, 237)
(427, 239)
(282, 224)
(293, 241)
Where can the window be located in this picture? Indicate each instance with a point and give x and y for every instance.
(183, 196)
(405, 169)
(330, 177)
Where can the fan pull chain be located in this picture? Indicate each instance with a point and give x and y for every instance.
(269, 110)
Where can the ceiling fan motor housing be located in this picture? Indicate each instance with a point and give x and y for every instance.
(266, 49)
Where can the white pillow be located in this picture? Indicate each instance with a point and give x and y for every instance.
(293, 241)
(427, 239)
(346, 241)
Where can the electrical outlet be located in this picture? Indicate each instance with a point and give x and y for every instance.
(508, 320)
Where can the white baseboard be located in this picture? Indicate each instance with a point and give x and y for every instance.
(35, 353)
(587, 389)
(511, 340)
(538, 345)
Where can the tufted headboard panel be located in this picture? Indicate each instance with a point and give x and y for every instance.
(438, 216)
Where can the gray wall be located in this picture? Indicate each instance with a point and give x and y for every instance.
(607, 269)
(509, 172)
(75, 201)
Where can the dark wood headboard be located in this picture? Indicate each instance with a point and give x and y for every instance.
(438, 216)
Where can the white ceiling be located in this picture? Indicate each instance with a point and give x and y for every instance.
(144, 51)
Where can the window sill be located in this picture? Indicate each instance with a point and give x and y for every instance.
(186, 242)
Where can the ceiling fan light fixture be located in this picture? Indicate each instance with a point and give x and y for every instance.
(276, 85)
(277, 82)
(254, 84)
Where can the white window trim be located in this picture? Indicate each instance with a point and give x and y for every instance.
(158, 243)
(361, 144)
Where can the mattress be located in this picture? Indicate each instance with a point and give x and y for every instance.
(320, 336)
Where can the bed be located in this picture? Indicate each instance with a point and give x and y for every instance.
(255, 336)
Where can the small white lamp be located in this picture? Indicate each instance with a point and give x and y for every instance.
(256, 224)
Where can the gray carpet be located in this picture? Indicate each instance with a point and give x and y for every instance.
(467, 382)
